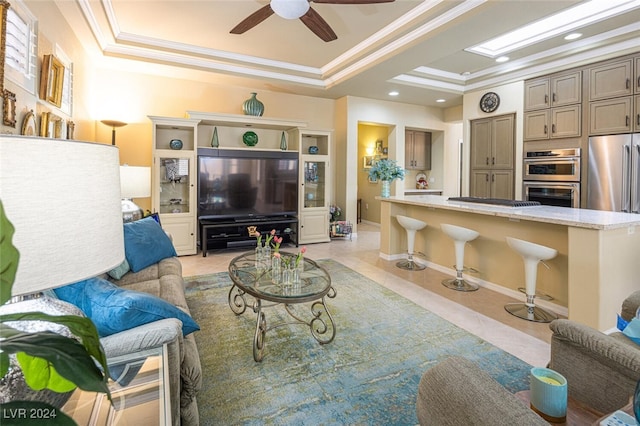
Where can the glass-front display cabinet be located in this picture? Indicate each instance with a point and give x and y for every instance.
(175, 179)
(314, 184)
(315, 181)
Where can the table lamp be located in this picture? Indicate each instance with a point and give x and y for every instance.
(135, 182)
(63, 199)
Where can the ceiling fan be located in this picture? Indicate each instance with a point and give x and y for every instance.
(298, 9)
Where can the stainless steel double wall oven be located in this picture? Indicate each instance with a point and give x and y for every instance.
(552, 177)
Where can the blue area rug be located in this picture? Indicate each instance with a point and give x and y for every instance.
(368, 375)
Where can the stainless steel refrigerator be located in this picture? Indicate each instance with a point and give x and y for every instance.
(613, 175)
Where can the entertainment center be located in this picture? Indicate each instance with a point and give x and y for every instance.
(217, 182)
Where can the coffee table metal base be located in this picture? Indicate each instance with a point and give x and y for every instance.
(321, 324)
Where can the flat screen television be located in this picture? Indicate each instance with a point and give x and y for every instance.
(245, 185)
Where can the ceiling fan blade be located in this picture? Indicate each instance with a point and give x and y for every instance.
(352, 1)
(318, 26)
(252, 20)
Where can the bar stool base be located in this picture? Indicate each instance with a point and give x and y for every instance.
(530, 313)
(542, 296)
(459, 284)
(410, 265)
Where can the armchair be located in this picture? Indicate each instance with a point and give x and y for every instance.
(602, 371)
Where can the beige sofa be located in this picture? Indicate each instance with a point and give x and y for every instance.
(601, 370)
(164, 280)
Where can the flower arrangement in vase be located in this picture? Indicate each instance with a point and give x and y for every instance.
(335, 211)
(386, 170)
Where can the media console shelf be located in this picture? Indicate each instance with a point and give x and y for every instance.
(234, 233)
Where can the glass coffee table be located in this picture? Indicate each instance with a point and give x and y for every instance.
(251, 278)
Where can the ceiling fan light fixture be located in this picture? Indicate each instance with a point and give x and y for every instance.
(290, 9)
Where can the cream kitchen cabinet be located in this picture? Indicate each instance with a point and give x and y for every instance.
(492, 184)
(611, 116)
(553, 123)
(492, 157)
(558, 90)
(492, 142)
(417, 155)
(610, 80)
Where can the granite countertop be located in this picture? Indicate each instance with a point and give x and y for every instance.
(579, 218)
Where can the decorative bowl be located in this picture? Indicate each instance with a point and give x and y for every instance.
(175, 144)
(250, 138)
(313, 149)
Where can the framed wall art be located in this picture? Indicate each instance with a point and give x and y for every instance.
(51, 80)
(379, 147)
(9, 109)
(29, 126)
(367, 161)
(51, 125)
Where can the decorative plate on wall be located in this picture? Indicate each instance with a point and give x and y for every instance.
(250, 138)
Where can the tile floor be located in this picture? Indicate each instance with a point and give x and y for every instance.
(480, 312)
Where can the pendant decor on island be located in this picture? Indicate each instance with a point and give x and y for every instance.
(283, 142)
(214, 138)
(253, 106)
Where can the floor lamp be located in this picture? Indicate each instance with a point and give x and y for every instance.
(113, 124)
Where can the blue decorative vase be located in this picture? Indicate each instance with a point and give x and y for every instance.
(386, 189)
(253, 106)
(313, 149)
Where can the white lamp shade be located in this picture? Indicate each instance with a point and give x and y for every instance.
(63, 198)
(135, 182)
(290, 9)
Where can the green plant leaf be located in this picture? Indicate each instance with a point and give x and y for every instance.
(9, 257)
(4, 363)
(81, 327)
(40, 374)
(68, 357)
(19, 413)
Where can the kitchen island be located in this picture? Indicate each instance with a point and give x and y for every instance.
(597, 266)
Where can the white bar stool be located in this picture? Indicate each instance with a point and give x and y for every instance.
(411, 225)
(460, 237)
(531, 254)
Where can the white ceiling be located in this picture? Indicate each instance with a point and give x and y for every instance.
(415, 47)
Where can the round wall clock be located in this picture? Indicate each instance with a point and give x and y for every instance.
(489, 102)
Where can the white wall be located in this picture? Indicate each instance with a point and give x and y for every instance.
(397, 117)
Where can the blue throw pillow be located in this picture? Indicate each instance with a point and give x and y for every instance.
(113, 309)
(145, 243)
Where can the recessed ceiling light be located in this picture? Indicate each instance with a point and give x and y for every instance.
(394, 93)
(441, 100)
(502, 59)
(573, 36)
